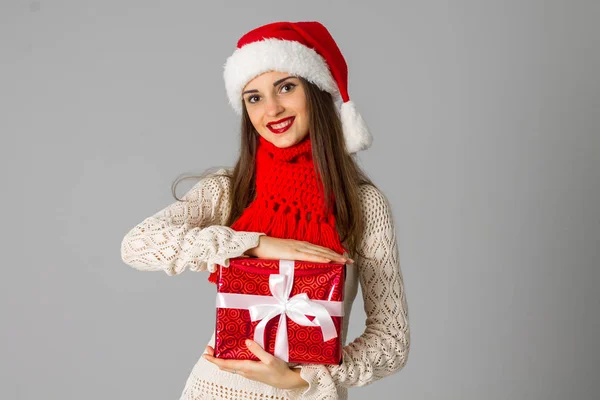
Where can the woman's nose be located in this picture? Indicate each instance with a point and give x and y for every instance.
(273, 107)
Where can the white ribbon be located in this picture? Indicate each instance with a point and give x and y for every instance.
(265, 308)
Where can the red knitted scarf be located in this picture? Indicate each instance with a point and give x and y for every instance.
(288, 202)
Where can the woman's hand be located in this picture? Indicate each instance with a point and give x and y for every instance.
(290, 249)
(269, 370)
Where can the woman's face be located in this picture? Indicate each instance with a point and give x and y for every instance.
(276, 105)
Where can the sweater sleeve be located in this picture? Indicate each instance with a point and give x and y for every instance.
(384, 346)
(189, 233)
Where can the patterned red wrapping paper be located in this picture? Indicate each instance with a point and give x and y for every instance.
(245, 275)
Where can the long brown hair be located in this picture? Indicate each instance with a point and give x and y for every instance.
(336, 168)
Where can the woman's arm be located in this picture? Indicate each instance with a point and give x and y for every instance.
(384, 346)
(189, 234)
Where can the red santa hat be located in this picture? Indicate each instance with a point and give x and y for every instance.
(304, 49)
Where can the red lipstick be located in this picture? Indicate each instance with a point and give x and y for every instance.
(287, 121)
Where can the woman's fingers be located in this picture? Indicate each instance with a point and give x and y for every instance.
(234, 366)
(316, 256)
(259, 352)
(323, 251)
(271, 247)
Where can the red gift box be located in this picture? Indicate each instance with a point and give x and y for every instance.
(293, 309)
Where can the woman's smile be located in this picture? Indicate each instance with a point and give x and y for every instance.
(281, 125)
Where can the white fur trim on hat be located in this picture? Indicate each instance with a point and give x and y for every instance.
(356, 132)
(266, 55)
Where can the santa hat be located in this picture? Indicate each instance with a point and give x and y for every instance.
(304, 49)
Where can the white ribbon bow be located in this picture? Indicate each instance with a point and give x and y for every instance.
(265, 308)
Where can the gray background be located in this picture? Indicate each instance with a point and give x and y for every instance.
(486, 123)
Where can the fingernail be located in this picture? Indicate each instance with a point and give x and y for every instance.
(248, 342)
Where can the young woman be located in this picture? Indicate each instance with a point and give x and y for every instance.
(295, 193)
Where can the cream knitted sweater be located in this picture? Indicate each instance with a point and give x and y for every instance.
(190, 234)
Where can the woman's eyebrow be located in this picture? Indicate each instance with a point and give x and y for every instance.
(283, 79)
(277, 82)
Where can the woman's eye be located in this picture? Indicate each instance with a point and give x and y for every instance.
(252, 99)
(287, 87)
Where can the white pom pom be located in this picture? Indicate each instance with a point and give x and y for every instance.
(356, 132)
